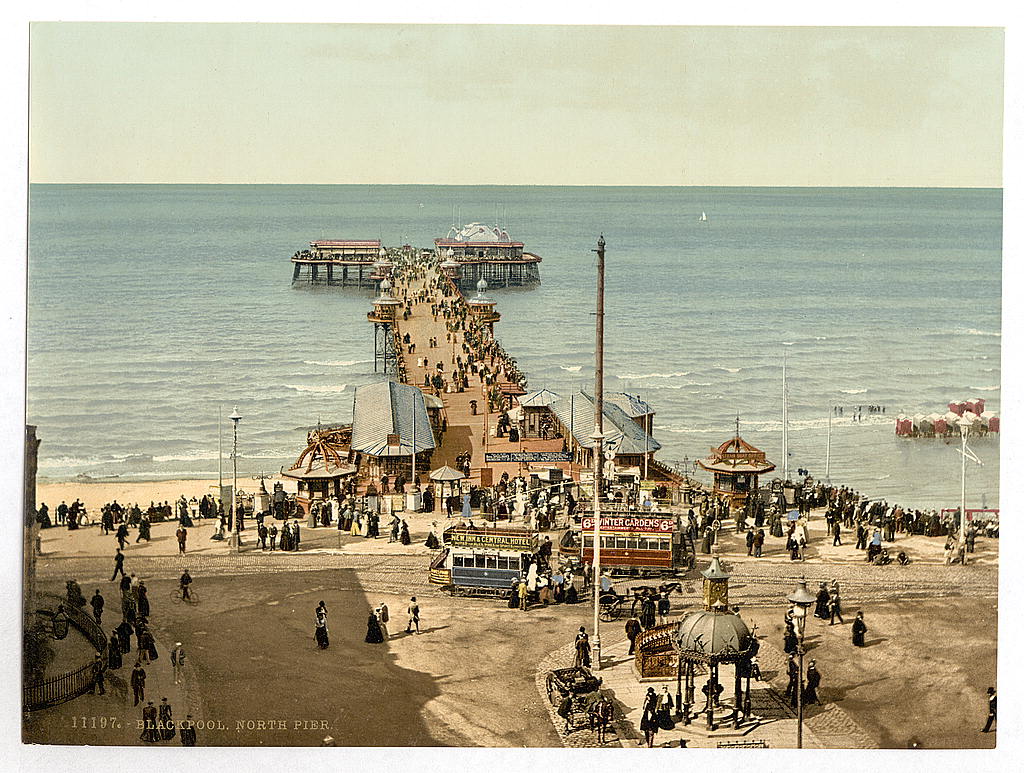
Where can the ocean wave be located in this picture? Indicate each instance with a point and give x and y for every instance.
(317, 388)
(336, 363)
(645, 376)
(728, 370)
(788, 343)
(571, 368)
(853, 391)
(970, 331)
(986, 388)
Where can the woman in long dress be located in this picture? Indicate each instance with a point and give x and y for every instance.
(356, 530)
(320, 634)
(114, 651)
(821, 602)
(374, 635)
(859, 629)
(649, 718)
(166, 721)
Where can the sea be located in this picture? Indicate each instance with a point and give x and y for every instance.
(155, 311)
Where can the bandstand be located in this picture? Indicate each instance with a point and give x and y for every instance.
(711, 638)
(736, 466)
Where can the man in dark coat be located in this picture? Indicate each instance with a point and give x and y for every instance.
(97, 605)
(793, 686)
(750, 542)
(118, 564)
(758, 543)
(149, 729)
(122, 536)
(836, 534)
(991, 709)
(98, 667)
(138, 682)
(632, 630)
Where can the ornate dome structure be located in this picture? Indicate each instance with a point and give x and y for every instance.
(713, 636)
(477, 232)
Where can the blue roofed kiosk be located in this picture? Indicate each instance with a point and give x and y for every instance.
(389, 420)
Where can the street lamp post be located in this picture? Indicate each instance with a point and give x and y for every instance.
(236, 535)
(801, 599)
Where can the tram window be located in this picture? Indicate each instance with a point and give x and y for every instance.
(457, 560)
(481, 561)
(620, 543)
(492, 562)
(588, 540)
(503, 562)
(608, 542)
(664, 544)
(632, 543)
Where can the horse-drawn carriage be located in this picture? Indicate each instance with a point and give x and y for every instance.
(614, 605)
(579, 686)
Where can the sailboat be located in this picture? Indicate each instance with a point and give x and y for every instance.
(703, 217)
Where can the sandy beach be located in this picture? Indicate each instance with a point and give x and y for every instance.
(96, 493)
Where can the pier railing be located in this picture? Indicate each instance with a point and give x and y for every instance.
(70, 684)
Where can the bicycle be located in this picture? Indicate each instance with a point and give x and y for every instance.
(178, 598)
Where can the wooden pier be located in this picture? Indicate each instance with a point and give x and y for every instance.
(467, 431)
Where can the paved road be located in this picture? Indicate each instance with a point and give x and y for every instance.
(756, 583)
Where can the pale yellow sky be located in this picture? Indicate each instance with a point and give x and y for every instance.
(220, 103)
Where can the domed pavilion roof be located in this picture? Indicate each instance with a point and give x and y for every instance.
(477, 232)
(712, 637)
(737, 455)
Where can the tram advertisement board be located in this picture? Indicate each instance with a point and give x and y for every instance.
(640, 525)
(518, 542)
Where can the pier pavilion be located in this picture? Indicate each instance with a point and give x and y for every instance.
(488, 252)
(736, 465)
(340, 262)
(390, 422)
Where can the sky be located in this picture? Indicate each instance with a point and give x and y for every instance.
(522, 105)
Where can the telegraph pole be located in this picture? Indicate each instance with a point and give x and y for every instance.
(598, 452)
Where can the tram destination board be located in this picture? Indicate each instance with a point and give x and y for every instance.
(527, 457)
(518, 542)
(629, 524)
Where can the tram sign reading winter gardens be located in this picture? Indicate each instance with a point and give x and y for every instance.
(637, 525)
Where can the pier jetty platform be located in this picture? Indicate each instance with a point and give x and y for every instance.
(469, 253)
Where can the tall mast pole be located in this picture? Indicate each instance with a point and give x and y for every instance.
(962, 542)
(598, 450)
(785, 423)
(828, 446)
(412, 486)
(220, 452)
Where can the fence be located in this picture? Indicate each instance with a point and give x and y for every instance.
(742, 744)
(70, 684)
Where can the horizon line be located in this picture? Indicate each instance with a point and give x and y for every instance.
(528, 185)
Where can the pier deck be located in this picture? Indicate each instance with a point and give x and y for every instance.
(466, 432)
